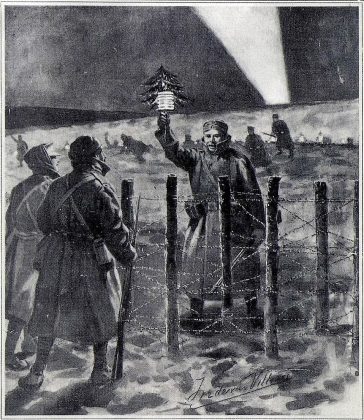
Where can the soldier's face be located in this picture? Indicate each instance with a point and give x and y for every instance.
(212, 138)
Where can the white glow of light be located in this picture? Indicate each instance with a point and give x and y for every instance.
(252, 36)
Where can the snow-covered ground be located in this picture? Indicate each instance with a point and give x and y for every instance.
(220, 371)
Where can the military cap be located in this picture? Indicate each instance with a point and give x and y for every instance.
(217, 125)
(51, 152)
(275, 116)
(83, 148)
(250, 127)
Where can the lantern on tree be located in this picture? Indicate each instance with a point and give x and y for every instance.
(164, 91)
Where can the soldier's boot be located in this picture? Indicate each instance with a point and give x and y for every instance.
(101, 373)
(32, 381)
(35, 377)
(196, 307)
(11, 360)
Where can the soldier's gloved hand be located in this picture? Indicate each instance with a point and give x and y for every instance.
(163, 120)
(258, 236)
(128, 255)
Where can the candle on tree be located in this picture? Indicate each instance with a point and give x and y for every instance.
(164, 91)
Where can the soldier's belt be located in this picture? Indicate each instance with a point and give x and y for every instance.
(27, 235)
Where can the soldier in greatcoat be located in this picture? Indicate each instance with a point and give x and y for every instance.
(256, 148)
(201, 253)
(22, 236)
(281, 131)
(78, 290)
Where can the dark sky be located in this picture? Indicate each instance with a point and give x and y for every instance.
(97, 57)
(321, 48)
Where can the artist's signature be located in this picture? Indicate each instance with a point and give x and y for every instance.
(255, 381)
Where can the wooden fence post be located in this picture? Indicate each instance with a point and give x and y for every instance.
(127, 191)
(171, 266)
(355, 336)
(271, 278)
(322, 279)
(225, 217)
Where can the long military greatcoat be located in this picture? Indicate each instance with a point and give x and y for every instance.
(256, 148)
(281, 130)
(22, 236)
(75, 300)
(201, 252)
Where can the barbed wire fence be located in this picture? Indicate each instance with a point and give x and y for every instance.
(308, 275)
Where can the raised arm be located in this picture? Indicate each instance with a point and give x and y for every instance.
(181, 157)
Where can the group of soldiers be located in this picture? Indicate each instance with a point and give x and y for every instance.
(255, 146)
(65, 234)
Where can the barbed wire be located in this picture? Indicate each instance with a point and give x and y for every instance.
(151, 279)
(312, 200)
(313, 219)
(334, 320)
(140, 257)
(344, 257)
(149, 330)
(295, 305)
(288, 247)
(307, 269)
(182, 198)
(154, 244)
(315, 227)
(204, 329)
(144, 304)
(150, 289)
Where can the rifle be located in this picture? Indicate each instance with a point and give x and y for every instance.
(117, 370)
(270, 135)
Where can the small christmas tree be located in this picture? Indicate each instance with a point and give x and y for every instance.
(163, 81)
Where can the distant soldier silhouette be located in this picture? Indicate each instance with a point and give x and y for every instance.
(301, 138)
(78, 290)
(188, 143)
(134, 147)
(107, 141)
(281, 131)
(21, 148)
(320, 138)
(323, 140)
(255, 146)
(22, 236)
